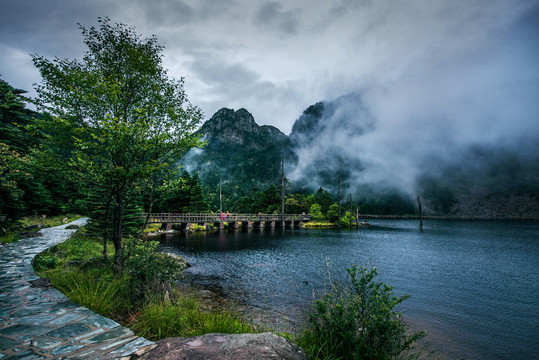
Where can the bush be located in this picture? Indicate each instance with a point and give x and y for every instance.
(151, 270)
(358, 321)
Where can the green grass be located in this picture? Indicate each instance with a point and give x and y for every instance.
(9, 237)
(97, 290)
(183, 316)
(316, 224)
(76, 268)
(12, 234)
(49, 221)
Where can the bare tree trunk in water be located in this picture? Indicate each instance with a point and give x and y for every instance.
(339, 204)
(420, 215)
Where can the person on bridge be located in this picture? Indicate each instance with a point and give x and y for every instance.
(227, 215)
(222, 215)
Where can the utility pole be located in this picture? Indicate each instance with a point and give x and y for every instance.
(282, 190)
(220, 197)
(339, 204)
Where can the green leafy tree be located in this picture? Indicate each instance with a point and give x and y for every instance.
(12, 174)
(316, 212)
(117, 119)
(323, 197)
(332, 213)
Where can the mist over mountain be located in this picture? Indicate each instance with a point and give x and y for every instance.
(333, 139)
(456, 173)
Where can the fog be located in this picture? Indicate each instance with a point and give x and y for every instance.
(431, 113)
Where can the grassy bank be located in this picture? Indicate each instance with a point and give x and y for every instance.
(32, 223)
(351, 321)
(150, 307)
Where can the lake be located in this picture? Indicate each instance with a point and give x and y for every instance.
(474, 285)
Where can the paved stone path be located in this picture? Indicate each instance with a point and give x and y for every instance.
(42, 323)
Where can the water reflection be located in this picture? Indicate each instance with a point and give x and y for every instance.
(469, 281)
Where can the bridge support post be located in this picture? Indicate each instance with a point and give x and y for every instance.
(279, 224)
(232, 225)
(246, 225)
(269, 224)
(219, 225)
(288, 224)
(297, 224)
(166, 226)
(257, 225)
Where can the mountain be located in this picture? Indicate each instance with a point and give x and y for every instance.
(246, 155)
(479, 181)
(476, 180)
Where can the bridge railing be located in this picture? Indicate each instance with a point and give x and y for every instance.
(209, 217)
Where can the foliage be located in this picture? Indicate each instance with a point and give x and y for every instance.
(358, 321)
(184, 316)
(9, 238)
(76, 268)
(323, 197)
(316, 212)
(48, 221)
(117, 119)
(182, 195)
(150, 269)
(97, 290)
(12, 174)
(332, 213)
(345, 220)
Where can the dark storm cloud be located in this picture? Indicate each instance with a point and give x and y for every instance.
(470, 81)
(435, 76)
(271, 15)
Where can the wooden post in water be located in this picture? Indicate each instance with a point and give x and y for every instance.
(420, 215)
(282, 190)
(350, 211)
(339, 204)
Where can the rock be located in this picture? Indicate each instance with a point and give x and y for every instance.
(32, 228)
(72, 227)
(41, 283)
(263, 346)
(31, 234)
(179, 259)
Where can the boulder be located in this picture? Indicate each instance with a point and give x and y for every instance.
(263, 346)
(44, 283)
(72, 227)
(31, 234)
(30, 228)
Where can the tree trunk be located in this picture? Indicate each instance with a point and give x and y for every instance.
(339, 204)
(420, 214)
(117, 235)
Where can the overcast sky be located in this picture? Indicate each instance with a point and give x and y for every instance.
(275, 58)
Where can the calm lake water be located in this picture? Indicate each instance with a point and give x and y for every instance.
(474, 286)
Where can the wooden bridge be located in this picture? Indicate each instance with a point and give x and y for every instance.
(234, 221)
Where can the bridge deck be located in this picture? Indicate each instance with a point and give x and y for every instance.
(171, 218)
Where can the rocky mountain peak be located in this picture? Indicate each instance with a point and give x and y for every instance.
(234, 127)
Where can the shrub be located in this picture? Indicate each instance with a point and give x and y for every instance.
(358, 321)
(151, 270)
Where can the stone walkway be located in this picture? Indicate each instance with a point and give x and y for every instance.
(42, 323)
